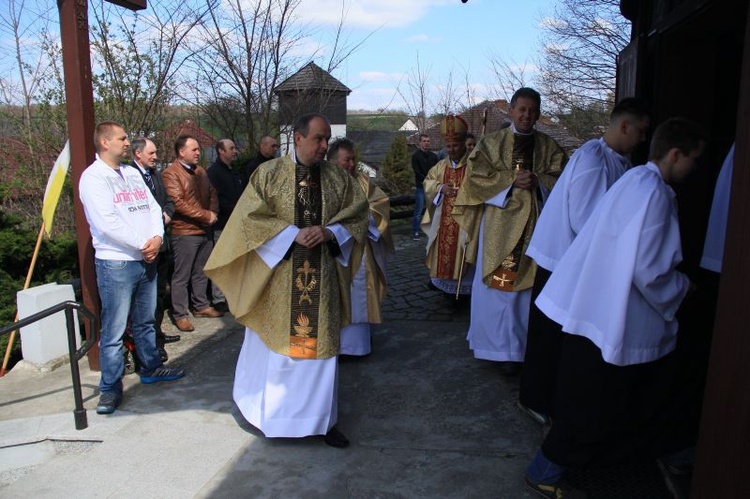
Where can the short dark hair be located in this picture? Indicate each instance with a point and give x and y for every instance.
(337, 145)
(220, 145)
(180, 142)
(104, 130)
(529, 93)
(470, 135)
(630, 107)
(302, 125)
(680, 133)
(138, 144)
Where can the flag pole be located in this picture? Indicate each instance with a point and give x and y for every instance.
(12, 337)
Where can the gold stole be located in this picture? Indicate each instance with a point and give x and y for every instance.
(505, 276)
(303, 340)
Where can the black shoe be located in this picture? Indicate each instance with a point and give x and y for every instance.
(171, 338)
(510, 368)
(415, 236)
(540, 418)
(221, 306)
(108, 402)
(559, 490)
(335, 438)
(163, 354)
(162, 373)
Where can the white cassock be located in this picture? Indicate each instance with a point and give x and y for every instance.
(264, 379)
(713, 248)
(591, 171)
(356, 337)
(617, 284)
(499, 319)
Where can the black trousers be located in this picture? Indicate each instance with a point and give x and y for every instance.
(542, 357)
(607, 415)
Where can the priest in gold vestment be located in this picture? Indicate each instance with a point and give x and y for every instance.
(282, 263)
(510, 174)
(446, 241)
(368, 266)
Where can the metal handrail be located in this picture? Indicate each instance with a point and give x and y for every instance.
(79, 414)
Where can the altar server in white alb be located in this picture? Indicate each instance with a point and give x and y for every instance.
(713, 249)
(615, 292)
(591, 171)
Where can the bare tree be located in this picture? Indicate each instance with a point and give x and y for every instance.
(582, 40)
(248, 52)
(414, 91)
(509, 75)
(32, 110)
(138, 58)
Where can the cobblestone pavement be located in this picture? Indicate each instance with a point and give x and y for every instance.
(409, 298)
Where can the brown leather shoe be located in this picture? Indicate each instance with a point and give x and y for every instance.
(207, 312)
(184, 324)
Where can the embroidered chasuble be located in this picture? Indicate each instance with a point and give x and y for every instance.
(371, 252)
(299, 306)
(492, 167)
(444, 246)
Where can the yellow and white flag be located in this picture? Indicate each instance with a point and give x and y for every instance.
(54, 187)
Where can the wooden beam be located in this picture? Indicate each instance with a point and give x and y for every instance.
(723, 459)
(130, 4)
(79, 98)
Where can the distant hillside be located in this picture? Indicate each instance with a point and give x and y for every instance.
(375, 122)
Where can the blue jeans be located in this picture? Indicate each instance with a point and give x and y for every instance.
(126, 289)
(418, 209)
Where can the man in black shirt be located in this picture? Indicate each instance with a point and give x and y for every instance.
(421, 162)
(229, 186)
(266, 150)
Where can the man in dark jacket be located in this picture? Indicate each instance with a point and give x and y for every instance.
(421, 162)
(229, 186)
(196, 207)
(144, 160)
(267, 149)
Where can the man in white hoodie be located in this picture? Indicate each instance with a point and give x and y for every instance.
(127, 232)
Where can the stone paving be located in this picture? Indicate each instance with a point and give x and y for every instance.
(425, 419)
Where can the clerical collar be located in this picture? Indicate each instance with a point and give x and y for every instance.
(187, 167)
(516, 132)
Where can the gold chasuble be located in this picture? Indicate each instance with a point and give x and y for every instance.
(444, 246)
(380, 211)
(298, 307)
(492, 167)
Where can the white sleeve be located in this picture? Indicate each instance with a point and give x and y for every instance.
(500, 199)
(345, 240)
(273, 250)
